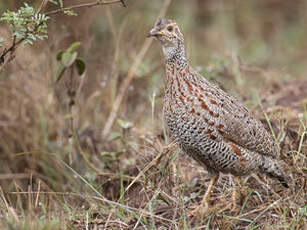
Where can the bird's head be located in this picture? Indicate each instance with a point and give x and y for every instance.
(167, 32)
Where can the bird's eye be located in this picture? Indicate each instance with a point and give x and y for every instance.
(170, 28)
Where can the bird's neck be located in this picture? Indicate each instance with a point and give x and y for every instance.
(175, 54)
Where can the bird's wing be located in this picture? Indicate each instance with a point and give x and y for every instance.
(238, 125)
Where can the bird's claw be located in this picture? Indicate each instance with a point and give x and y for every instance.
(200, 210)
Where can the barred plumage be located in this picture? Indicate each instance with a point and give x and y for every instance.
(207, 123)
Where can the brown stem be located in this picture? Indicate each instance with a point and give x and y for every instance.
(91, 4)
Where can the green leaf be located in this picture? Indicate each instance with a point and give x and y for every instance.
(28, 41)
(73, 47)
(70, 13)
(53, 2)
(59, 55)
(125, 124)
(80, 64)
(68, 58)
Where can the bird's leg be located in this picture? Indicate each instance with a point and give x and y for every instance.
(234, 197)
(207, 195)
(235, 194)
(204, 206)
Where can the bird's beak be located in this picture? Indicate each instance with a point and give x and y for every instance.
(154, 32)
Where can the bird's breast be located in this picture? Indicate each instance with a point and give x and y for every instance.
(189, 120)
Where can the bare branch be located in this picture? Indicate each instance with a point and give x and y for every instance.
(88, 5)
(42, 6)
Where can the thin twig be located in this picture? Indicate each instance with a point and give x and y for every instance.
(88, 5)
(42, 5)
(130, 76)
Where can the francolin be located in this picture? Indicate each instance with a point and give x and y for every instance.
(208, 124)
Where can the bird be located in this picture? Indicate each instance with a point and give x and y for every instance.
(208, 124)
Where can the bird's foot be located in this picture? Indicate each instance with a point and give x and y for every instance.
(200, 210)
(205, 209)
(232, 206)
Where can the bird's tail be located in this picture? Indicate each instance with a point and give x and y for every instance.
(274, 168)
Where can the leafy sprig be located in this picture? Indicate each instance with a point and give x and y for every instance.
(26, 25)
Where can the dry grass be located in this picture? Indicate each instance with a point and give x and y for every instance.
(53, 177)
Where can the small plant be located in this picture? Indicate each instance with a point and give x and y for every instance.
(28, 25)
(69, 58)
